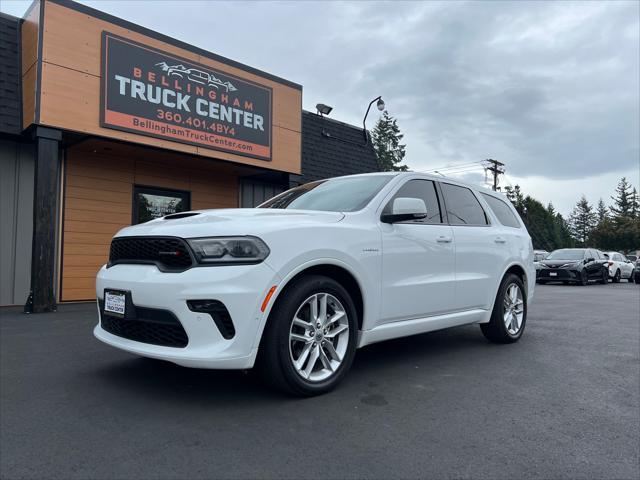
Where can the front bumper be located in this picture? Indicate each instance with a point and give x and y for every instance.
(558, 275)
(241, 288)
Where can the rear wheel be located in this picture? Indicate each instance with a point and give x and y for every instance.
(605, 277)
(310, 341)
(509, 314)
(616, 277)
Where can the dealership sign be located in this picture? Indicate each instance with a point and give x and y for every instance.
(155, 93)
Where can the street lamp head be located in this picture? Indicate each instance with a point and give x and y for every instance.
(380, 105)
(323, 109)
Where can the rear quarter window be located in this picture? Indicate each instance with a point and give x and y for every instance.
(501, 210)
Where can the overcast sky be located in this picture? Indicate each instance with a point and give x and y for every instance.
(550, 89)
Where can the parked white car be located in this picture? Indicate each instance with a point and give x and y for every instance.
(620, 267)
(297, 285)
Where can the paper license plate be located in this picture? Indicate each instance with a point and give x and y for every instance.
(114, 302)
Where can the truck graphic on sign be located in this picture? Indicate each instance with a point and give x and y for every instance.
(196, 75)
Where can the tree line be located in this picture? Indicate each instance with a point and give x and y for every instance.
(615, 227)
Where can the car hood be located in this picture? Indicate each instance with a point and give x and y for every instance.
(558, 263)
(230, 221)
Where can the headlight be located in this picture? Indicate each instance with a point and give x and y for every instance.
(229, 250)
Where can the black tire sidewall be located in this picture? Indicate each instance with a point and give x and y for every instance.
(584, 278)
(283, 316)
(496, 330)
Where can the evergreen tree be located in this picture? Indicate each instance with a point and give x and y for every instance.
(621, 234)
(561, 233)
(516, 196)
(582, 221)
(635, 204)
(386, 138)
(623, 200)
(547, 228)
(602, 211)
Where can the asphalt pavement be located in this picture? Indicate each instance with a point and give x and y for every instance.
(564, 402)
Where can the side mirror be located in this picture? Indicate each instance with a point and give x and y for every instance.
(404, 209)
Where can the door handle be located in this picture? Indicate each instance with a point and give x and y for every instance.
(443, 239)
(500, 240)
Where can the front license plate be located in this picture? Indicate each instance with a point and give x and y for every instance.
(114, 302)
(553, 274)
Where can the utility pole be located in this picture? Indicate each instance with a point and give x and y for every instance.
(495, 167)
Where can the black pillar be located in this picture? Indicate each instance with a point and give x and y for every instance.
(294, 180)
(45, 216)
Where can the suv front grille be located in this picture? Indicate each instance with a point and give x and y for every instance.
(168, 253)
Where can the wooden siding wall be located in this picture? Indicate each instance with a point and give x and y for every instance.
(29, 53)
(70, 97)
(98, 202)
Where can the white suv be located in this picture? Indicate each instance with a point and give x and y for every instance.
(298, 284)
(620, 267)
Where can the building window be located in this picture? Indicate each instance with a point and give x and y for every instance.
(151, 202)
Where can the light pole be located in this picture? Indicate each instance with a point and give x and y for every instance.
(380, 106)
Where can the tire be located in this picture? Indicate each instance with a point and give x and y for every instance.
(584, 278)
(605, 277)
(278, 348)
(616, 277)
(496, 330)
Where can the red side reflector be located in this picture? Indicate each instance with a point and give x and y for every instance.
(267, 298)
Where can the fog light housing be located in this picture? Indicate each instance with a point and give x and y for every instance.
(218, 313)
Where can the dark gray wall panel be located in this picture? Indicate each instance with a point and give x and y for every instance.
(10, 84)
(331, 149)
(253, 193)
(16, 221)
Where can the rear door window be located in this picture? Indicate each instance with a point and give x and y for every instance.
(463, 208)
(504, 213)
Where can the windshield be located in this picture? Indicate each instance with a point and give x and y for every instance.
(346, 194)
(566, 254)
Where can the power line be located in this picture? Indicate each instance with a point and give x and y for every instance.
(462, 170)
(451, 167)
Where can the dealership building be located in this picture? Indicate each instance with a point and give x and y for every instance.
(104, 124)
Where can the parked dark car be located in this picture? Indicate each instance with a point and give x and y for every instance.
(573, 265)
(636, 272)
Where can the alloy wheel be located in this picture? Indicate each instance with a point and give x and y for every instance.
(513, 309)
(318, 337)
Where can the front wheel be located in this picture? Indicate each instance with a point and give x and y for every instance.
(509, 314)
(310, 340)
(584, 278)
